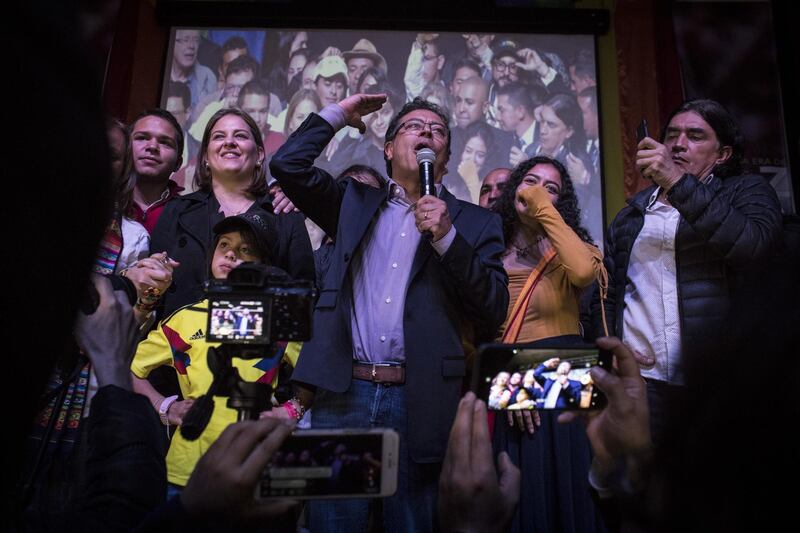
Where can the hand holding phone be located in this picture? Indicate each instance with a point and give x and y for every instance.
(515, 377)
(622, 428)
(221, 484)
(472, 495)
(337, 463)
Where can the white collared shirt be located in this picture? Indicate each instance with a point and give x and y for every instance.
(527, 137)
(651, 316)
(552, 395)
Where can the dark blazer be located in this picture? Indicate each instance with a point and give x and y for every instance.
(465, 287)
(185, 231)
(572, 392)
(727, 226)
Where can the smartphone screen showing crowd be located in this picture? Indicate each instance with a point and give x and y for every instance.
(242, 320)
(333, 464)
(513, 377)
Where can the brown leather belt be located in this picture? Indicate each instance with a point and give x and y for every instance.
(379, 372)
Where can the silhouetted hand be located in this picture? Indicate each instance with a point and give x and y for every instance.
(471, 497)
(108, 335)
(224, 481)
(622, 428)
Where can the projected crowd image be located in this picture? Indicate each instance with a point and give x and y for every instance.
(509, 96)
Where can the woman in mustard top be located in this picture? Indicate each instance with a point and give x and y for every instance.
(550, 260)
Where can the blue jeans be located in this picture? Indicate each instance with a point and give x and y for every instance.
(173, 490)
(369, 405)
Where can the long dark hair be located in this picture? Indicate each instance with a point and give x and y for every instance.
(566, 108)
(276, 49)
(567, 204)
(202, 174)
(483, 131)
(126, 182)
(375, 72)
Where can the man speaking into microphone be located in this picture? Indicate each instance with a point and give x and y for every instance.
(387, 348)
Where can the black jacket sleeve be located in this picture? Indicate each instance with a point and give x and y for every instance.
(126, 476)
(296, 255)
(740, 221)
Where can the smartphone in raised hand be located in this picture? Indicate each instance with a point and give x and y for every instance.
(512, 377)
(641, 131)
(334, 463)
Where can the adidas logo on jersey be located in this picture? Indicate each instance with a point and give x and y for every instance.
(197, 336)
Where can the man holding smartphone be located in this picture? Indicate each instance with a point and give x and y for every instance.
(678, 252)
(407, 277)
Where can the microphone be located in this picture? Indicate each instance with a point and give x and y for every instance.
(425, 160)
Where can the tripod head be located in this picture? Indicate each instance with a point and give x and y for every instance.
(248, 398)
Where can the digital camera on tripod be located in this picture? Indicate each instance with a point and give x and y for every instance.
(248, 313)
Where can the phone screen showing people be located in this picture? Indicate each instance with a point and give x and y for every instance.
(235, 320)
(513, 377)
(333, 464)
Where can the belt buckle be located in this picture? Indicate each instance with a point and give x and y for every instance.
(374, 373)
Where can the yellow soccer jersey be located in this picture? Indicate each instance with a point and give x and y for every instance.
(180, 342)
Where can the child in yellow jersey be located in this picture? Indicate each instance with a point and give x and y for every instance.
(179, 341)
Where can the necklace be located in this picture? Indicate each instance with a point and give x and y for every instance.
(524, 251)
(233, 212)
(521, 252)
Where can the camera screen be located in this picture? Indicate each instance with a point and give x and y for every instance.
(556, 378)
(237, 321)
(325, 465)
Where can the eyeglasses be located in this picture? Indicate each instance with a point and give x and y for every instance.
(430, 58)
(502, 67)
(187, 40)
(416, 126)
